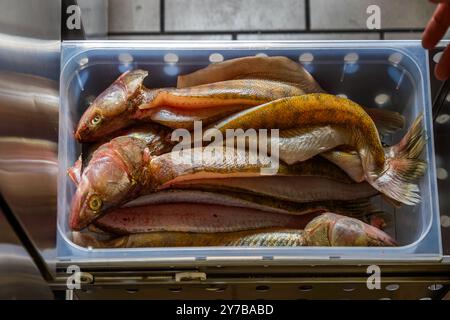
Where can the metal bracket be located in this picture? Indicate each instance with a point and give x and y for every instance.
(189, 276)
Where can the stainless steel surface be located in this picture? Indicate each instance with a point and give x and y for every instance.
(292, 289)
(269, 282)
(29, 55)
(29, 36)
(35, 19)
(28, 170)
(28, 106)
(29, 99)
(19, 276)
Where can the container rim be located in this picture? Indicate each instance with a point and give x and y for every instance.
(392, 252)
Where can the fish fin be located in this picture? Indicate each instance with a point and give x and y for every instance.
(300, 144)
(96, 228)
(85, 240)
(386, 121)
(74, 172)
(356, 208)
(413, 143)
(348, 161)
(92, 240)
(402, 167)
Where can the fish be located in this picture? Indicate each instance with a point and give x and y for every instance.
(282, 69)
(161, 143)
(110, 111)
(124, 102)
(292, 188)
(195, 217)
(115, 171)
(176, 118)
(246, 92)
(275, 68)
(124, 169)
(330, 229)
(127, 101)
(267, 237)
(357, 207)
(326, 230)
(229, 97)
(410, 146)
(200, 163)
(347, 123)
(347, 160)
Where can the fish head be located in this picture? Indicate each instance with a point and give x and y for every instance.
(112, 109)
(105, 184)
(330, 229)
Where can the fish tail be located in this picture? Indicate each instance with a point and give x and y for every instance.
(386, 121)
(403, 167)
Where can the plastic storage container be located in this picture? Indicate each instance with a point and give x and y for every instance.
(391, 75)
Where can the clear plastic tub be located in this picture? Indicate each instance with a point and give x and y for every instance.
(391, 75)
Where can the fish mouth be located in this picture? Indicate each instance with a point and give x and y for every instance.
(78, 219)
(83, 133)
(81, 215)
(377, 237)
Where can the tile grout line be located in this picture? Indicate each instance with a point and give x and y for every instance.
(162, 8)
(289, 31)
(307, 15)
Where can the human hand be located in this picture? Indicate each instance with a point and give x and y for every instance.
(434, 31)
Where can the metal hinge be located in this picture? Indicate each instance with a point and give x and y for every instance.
(189, 276)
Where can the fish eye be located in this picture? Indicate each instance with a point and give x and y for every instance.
(95, 203)
(96, 119)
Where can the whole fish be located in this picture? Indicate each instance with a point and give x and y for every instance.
(325, 230)
(194, 217)
(348, 124)
(127, 101)
(253, 67)
(267, 237)
(281, 69)
(245, 92)
(121, 104)
(360, 208)
(291, 188)
(200, 163)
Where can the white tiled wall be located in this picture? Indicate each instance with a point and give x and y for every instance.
(261, 19)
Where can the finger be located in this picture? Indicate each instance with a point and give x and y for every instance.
(437, 26)
(442, 69)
